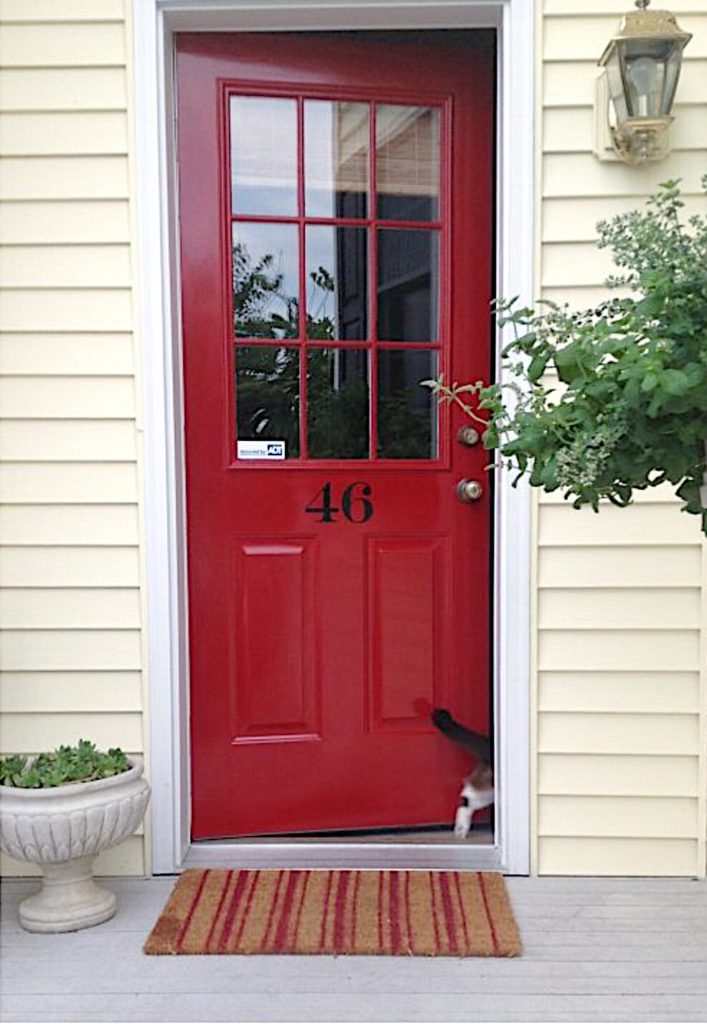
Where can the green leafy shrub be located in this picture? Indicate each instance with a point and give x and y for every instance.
(82, 763)
(630, 409)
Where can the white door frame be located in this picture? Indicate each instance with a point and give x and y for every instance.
(154, 25)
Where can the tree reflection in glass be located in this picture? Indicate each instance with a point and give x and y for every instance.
(407, 416)
(263, 303)
(265, 275)
(267, 395)
(337, 403)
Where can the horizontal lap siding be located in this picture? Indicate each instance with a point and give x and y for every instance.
(70, 603)
(620, 730)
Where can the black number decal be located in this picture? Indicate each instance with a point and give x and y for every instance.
(356, 503)
(357, 507)
(327, 510)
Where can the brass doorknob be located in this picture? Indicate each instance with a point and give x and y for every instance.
(469, 490)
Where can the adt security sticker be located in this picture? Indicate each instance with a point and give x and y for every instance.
(261, 450)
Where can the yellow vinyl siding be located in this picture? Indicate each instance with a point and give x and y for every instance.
(625, 567)
(618, 692)
(59, 89)
(608, 855)
(49, 730)
(568, 129)
(567, 85)
(604, 608)
(586, 212)
(75, 441)
(65, 692)
(61, 177)
(36, 310)
(597, 775)
(70, 606)
(576, 36)
(66, 11)
(65, 266)
(76, 608)
(65, 222)
(655, 817)
(65, 566)
(564, 174)
(94, 483)
(47, 397)
(620, 616)
(69, 524)
(80, 355)
(36, 134)
(62, 44)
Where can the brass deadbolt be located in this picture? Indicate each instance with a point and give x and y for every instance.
(468, 437)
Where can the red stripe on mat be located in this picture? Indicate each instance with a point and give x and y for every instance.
(489, 915)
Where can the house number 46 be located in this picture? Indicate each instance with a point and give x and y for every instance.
(356, 504)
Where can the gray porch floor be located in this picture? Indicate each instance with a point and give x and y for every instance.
(595, 950)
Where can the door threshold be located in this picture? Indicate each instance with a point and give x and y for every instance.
(384, 853)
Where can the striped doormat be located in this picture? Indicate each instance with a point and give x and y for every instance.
(389, 913)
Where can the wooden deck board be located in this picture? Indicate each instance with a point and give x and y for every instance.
(595, 950)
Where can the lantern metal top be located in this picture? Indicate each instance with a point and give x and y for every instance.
(646, 24)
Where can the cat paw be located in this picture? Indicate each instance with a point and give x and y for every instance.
(462, 823)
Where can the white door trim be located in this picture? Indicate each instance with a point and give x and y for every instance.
(154, 25)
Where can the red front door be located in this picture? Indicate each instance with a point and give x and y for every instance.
(335, 219)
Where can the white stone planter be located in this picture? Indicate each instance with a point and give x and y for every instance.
(62, 829)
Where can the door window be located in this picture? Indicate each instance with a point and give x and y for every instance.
(336, 252)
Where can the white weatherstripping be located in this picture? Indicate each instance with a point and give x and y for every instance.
(155, 22)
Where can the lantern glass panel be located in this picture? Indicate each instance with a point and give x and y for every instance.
(645, 63)
(616, 84)
(644, 81)
(672, 73)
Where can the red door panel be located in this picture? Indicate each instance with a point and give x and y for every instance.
(335, 221)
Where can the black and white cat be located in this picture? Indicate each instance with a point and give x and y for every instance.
(477, 789)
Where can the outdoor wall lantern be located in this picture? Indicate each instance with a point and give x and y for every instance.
(636, 89)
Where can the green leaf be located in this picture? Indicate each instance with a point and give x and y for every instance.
(567, 364)
(674, 382)
(537, 367)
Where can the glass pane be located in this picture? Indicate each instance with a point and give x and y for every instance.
(265, 280)
(645, 79)
(337, 403)
(408, 282)
(407, 162)
(337, 283)
(267, 396)
(263, 155)
(407, 413)
(336, 142)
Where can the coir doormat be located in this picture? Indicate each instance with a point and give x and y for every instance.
(388, 913)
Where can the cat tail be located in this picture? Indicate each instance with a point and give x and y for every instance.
(480, 746)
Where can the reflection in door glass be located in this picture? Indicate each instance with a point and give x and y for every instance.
(336, 140)
(267, 395)
(337, 403)
(407, 162)
(408, 281)
(337, 283)
(407, 414)
(265, 280)
(264, 155)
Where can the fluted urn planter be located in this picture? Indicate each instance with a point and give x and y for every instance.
(62, 829)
